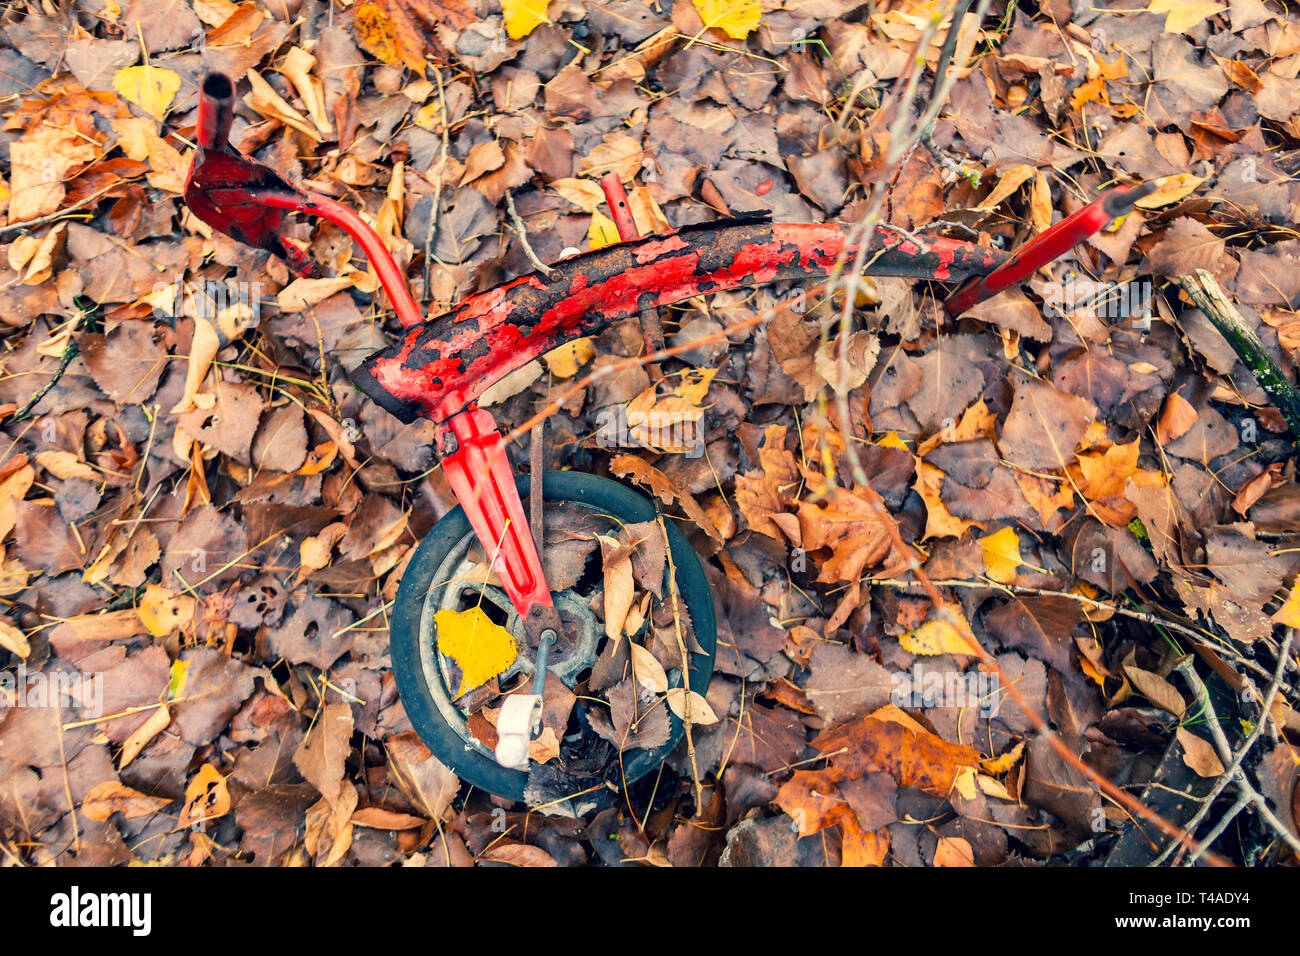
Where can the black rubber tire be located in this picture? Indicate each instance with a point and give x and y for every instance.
(440, 737)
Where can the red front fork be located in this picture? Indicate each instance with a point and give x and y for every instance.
(479, 472)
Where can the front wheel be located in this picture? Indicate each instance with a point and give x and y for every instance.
(437, 579)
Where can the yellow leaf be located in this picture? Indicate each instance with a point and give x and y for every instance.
(1182, 15)
(1170, 189)
(163, 612)
(695, 384)
(891, 440)
(602, 232)
(1289, 613)
(176, 682)
(1000, 765)
(736, 18)
(565, 361)
(1001, 554)
(523, 16)
(482, 648)
(945, 634)
(148, 87)
(14, 640)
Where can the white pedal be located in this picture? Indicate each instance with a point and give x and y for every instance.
(521, 717)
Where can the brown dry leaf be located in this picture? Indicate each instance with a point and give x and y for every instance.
(422, 777)
(1101, 473)
(483, 158)
(1044, 425)
(620, 588)
(64, 464)
(402, 32)
(648, 671)
(518, 854)
(939, 521)
(325, 749)
(954, 851)
(812, 799)
(297, 67)
(890, 742)
(583, 193)
(1176, 418)
(1155, 688)
(1044, 495)
(203, 350)
(618, 153)
(1040, 203)
(765, 494)
(315, 551)
(1041, 626)
(141, 736)
(663, 488)
(1008, 183)
(39, 162)
(301, 294)
(701, 712)
(13, 640)
(113, 797)
(853, 525)
(265, 101)
(665, 423)
(1199, 754)
(1170, 189)
(377, 818)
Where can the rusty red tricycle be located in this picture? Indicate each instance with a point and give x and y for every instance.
(443, 364)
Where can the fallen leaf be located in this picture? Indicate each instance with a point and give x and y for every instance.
(206, 797)
(701, 712)
(1182, 15)
(954, 851)
(481, 647)
(13, 640)
(1170, 189)
(141, 736)
(736, 18)
(523, 16)
(564, 362)
(648, 671)
(113, 797)
(602, 232)
(1001, 554)
(377, 818)
(148, 87)
(1199, 754)
(948, 633)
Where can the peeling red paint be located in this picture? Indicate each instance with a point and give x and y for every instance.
(444, 364)
(658, 247)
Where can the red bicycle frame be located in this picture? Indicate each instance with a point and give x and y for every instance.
(442, 365)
